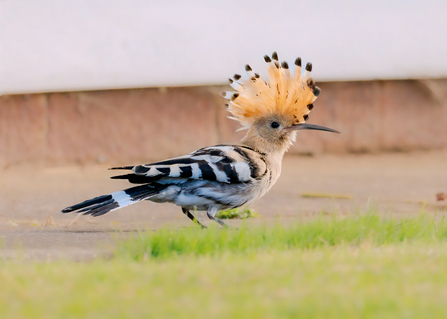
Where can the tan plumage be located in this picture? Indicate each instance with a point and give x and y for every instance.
(285, 95)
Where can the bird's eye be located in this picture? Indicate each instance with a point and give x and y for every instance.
(274, 125)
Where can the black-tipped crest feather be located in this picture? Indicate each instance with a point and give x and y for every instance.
(309, 67)
(286, 93)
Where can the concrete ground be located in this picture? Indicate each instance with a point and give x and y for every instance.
(31, 198)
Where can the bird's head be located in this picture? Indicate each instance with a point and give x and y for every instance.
(272, 111)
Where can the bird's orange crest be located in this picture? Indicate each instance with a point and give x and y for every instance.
(286, 94)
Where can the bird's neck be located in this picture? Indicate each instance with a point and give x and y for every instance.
(271, 150)
(272, 154)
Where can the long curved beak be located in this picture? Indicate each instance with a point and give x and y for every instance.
(297, 127)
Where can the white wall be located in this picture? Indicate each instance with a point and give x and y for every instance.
(60, 45)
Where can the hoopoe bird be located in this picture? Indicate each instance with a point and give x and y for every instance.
(227, 175)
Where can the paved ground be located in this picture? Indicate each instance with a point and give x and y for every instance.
(31, 224)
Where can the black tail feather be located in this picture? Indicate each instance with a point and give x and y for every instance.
(103, 204)
(89, 202)
(135, 179)
(122, 167)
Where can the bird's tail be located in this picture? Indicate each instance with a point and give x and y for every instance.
(106, 203)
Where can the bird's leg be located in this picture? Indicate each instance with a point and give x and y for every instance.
(192, 217)
(211, 215)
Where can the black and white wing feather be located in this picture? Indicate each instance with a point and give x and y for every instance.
(222, 163)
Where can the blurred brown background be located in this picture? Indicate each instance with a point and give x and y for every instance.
(134, 125)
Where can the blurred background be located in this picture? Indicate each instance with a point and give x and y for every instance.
(107, 81)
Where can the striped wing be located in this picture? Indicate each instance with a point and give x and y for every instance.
(221, 163)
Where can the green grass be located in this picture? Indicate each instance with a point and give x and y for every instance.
(363, 266)
(394, 281)
(237, 213)
(354, 230)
